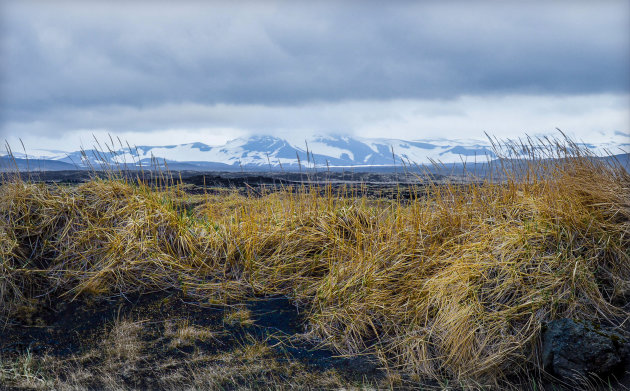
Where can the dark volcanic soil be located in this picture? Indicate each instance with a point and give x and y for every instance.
(71, 330)
(382, 185)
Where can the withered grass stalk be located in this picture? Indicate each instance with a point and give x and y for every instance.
(456, 282)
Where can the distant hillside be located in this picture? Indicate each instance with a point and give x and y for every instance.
(10, 164)
(263, 153)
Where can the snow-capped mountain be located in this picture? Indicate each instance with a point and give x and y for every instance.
(265, 152)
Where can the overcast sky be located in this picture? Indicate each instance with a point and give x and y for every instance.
(166, 73)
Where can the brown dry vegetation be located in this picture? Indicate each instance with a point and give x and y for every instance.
(456, 283)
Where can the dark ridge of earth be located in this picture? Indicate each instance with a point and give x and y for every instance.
(376, 185)
(225, 178)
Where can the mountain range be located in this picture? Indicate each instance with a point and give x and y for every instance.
(258, 153)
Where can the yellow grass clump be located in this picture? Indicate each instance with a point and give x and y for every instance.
(456, 282)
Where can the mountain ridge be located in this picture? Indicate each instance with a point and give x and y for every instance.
(269, 152)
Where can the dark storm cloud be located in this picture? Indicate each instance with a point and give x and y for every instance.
(76, 60)
(139, 54)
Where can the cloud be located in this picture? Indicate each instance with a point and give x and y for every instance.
(591, 118)
(80, 62)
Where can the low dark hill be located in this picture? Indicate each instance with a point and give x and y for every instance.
(8, 163)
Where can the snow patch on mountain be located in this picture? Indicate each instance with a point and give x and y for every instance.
(323, 150)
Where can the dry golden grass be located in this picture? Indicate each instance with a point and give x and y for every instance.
(122, 343)
(238, 316)
(454, 284)
(183, 333)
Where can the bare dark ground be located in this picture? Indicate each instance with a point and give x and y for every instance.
(166, 340)
(165, 334)
(376, 185)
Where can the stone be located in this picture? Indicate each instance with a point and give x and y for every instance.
(578, 350)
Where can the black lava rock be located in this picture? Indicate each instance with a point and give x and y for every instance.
(578, 350)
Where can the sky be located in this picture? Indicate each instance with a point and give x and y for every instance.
(158, 73)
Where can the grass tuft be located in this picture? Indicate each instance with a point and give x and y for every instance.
(455, 283)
